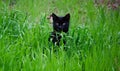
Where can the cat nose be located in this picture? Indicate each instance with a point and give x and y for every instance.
(60, 26)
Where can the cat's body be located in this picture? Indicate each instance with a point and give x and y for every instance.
(60, 24)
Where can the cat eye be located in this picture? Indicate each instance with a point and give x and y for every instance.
(57, 23)
(63, 23)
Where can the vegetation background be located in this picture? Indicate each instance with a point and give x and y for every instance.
(93, 43)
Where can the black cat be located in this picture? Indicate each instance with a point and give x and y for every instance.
(60, 24)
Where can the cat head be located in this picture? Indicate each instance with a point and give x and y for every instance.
(61, 24)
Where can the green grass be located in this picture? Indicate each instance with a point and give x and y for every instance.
(93, 41)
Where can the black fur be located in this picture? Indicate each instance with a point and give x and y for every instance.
(60, 24)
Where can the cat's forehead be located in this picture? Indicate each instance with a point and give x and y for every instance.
(60, 19)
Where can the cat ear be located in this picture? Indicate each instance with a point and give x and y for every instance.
(67, 17)
(54, 16)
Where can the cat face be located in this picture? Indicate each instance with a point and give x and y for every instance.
(61, 24)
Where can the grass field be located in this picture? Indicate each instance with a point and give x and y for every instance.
(93, 42)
